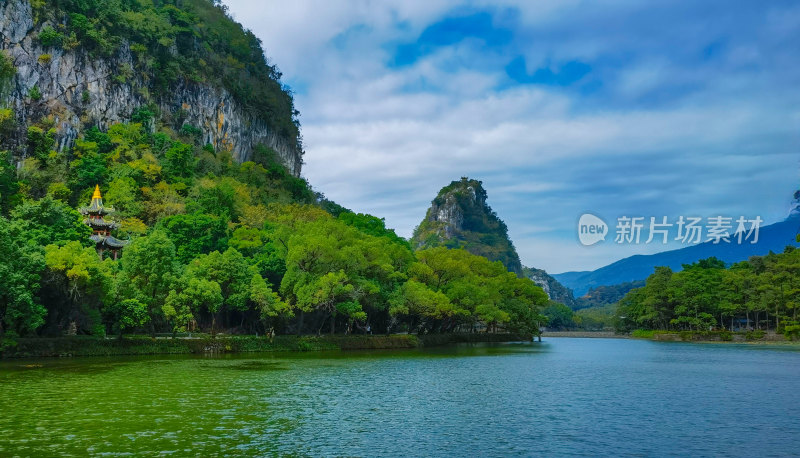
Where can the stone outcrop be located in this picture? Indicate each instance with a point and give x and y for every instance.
(555, 291)
(79, 90)
(460, 217)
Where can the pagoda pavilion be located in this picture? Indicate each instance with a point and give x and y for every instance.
(101, 229)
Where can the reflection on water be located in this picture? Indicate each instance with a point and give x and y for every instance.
(561, 396)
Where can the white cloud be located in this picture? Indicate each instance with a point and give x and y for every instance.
(665, 132)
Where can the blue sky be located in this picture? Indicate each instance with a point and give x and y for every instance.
(617, 108)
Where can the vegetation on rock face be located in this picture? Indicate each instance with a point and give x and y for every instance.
(459, 217)
(193, 40)
(552, 287)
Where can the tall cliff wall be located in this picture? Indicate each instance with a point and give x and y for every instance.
(80, 90)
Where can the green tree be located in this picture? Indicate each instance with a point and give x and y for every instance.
(123, 195)
(81, 283)
(149, 268)
(415, 299)
(48, 220)
(267, 302)
(126, 315)
(40, 142)
(9, 186)
(21, 265)
(192, 296)
(179, 161)
(559, 316)
(195, 234)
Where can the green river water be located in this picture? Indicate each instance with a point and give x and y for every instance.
(560, 397)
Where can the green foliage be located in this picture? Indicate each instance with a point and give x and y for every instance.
(559, 316)
(50, 37)
(8, 123)
(177, 41)
(643, 333)
(124, 196)
(600, 318)
(179, 161)
(40, 142)
(256, 245)
(88, 171)
(230, 270)
(149, 268)
(190, 297)
(101, 139)
(258, 250)
(190, 131)
(50, 221)
(21, 265)
(479, 291)
(478, 230)
(127, 314)
(76, 286)
(266, 301)
(9, 186)
(791, 330)
(195, 234)
(371, 225)
(224, 197)
(607, 294)
(763, 292)
(7, 72)
(144, 115)
(34, 93)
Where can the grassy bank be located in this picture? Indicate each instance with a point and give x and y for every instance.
(709, 336)
(141, 345)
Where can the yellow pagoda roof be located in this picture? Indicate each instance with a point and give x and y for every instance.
(96, 205)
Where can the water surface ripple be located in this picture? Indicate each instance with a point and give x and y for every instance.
(564, 396)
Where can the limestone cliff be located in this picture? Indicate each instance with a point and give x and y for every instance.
(554, 290)
(460, 217)
(80, 89)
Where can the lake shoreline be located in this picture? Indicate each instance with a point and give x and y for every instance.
(684, 336)
(78, 346)
(585, 334)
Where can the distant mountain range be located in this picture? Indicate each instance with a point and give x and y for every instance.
(773, 237)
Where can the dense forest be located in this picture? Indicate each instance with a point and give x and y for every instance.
(758, 294)
(221, 245)
(213, 245)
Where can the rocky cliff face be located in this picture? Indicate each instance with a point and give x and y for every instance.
(554, 290)
(80, 91)
(460, 217)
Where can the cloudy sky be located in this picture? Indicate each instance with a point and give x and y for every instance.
(560, 107)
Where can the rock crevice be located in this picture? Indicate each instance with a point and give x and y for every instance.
(79, 91)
